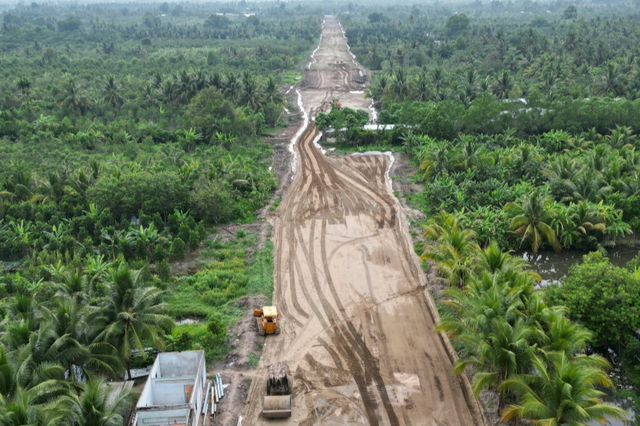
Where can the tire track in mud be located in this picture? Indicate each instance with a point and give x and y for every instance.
(357, 319)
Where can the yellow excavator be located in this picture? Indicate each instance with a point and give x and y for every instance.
(268, 320)
(277, 402)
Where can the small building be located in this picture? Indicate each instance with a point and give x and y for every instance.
(173, 394)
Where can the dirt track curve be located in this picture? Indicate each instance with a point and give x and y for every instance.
(358, 320)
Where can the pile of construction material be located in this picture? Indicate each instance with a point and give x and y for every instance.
(215, 391)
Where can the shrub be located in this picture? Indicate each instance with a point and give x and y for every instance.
(178, 249)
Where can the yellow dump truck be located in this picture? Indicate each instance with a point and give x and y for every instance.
(267, 320)
(277, 402)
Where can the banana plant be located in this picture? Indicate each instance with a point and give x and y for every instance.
(55, 236)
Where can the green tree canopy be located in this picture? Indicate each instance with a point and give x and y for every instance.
(570, 13)
(457, 23)
(130, 193)
(563, 392)
(217, 21)
(71, 23)
(604, 298)
(210, 112)
(376, 17)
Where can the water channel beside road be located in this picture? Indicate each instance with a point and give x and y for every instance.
(553, 266)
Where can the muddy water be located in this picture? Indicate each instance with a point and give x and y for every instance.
(553, 266)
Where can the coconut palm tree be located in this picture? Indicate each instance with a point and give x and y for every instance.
(67, 337)
(588, 218)
(186, 86)
(438, 80)
(562, 392)
(531, 219)
(422, 91)
(563, 335)
(231, 86)
(435, 159)
(630, 186)
(469, 82)
(169, 91)
(25, 407)
(490, 321)
(148, 95)
(503, 352)
(74, 98)
(571, 42)
(495, 261)
(577, 144)
(131, 315)
(454, 249)
(632, 160)
(157, 80)
(503, 85)
(98, 405)
(563, 168)
(485, 84)
(621, 137)
(200, 80)
(251, 94)
(113, 92)
(215, 80)
(470, 156)
(611, 81)
(399, 84)
(24, 85)
(30, 395)
(379, 86)
(52, 187)
(599, 158)
(588, 187)
(272, 91)
(21, 307)
(21, 185)
(72, 284)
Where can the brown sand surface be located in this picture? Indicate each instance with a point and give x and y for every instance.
(357, 317)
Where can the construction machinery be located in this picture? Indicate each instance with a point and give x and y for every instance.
(277, 402)
(268, 320)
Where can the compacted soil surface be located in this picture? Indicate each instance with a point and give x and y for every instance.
(357, 316)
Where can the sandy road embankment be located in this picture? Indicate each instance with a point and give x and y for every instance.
(358, 320)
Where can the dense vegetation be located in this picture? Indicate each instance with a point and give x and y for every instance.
(128, 133)
(516, 342)
(521, 120)
(498, 110)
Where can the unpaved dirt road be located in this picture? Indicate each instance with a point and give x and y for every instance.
(357, 317)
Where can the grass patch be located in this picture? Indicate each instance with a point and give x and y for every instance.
(218, 283)
(254, 359)
(210, 293)
(292, 77)
(260, 272)
(348, 149)
(275, 204)
(209, 336)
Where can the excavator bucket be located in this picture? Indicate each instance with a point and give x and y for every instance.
(257, 312)
(276, 407)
